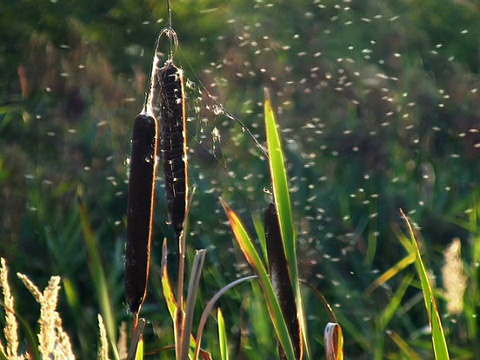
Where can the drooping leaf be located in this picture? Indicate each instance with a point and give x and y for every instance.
(333, 341)
(208, 308)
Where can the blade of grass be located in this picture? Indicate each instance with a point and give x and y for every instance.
(139, 355)
(438, 336)
(251, 254)
(166, 284)
(387, 315)
(260, 232)
(222, 336)
(404, 347)
(136, 347)
(282, 201)
(193, 285)
(97, 273)
(390, 273)
(395, 302)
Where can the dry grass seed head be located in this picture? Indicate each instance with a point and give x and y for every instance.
(11, 325)
(122, 342)
(37, 294)
(53, 340)
(103, 349)
(48, 316)
(454, 278)
(63, 346)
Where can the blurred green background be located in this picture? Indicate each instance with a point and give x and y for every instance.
(378, 103)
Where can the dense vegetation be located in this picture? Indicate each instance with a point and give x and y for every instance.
(378, 105)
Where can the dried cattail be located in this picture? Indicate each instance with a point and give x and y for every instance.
(281, 279)
(173, 144)
(141, 202)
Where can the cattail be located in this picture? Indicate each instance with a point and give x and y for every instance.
(141, 202)
(173, 145)
(281, 279)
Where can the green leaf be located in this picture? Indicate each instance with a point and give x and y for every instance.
(193, 284)
(281, 192)
(139, 355)
(281, 196)
(166, 284)
(404, 347)
(253, 258)
(136, 347)
(222, 336)
(97, 273)
(390, 273)
(438, 336)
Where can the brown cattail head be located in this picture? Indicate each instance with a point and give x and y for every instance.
(141, 202)
(173, 145)
(281, 279)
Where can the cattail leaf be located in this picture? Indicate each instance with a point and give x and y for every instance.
(166, 284)
(136, 347)
(282, 201)
(193, 285)
(139, 355)
(281, 279)
(222, 336)
(169, 295)
(281, 192)
(333, 341)
(438, 336)
(253, 258)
